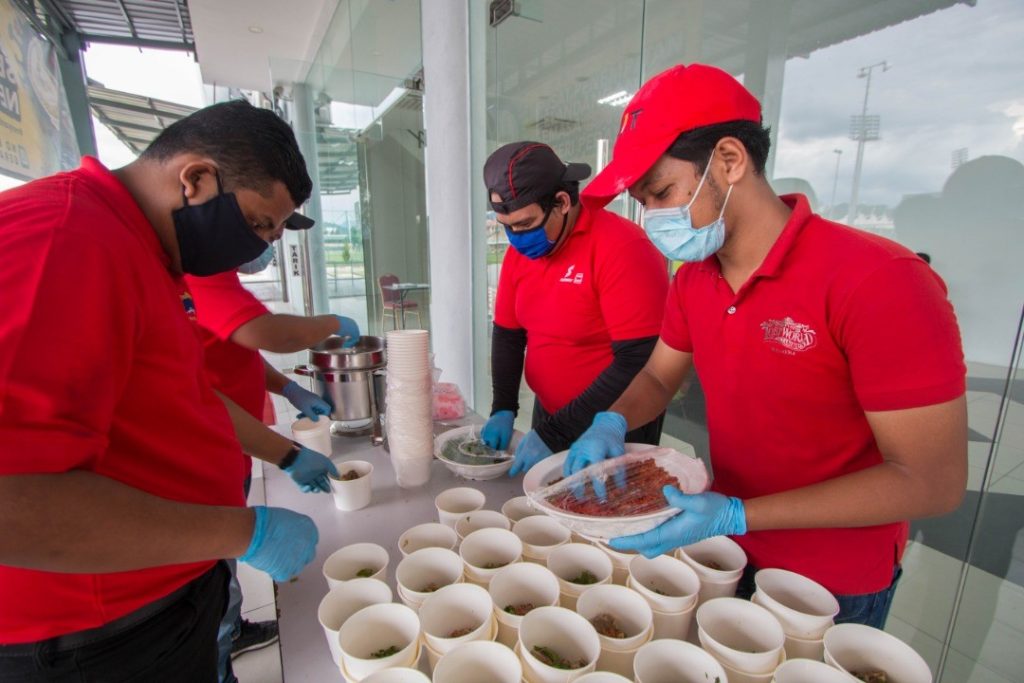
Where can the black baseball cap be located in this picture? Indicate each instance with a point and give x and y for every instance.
(522, 173)
(299, 222)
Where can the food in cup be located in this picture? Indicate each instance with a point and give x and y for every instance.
(585, 578)
(552, 658)
(430, 588)
(710, 564)
(495, 565)
(366, 572)
(606, 625)
(385, 652)
(871, 676)
(634, 491)
(351, 475)
(459, 632)
(519, 610)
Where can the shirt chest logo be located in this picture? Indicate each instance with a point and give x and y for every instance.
(190, 306)
(572, 278)
(789, 336)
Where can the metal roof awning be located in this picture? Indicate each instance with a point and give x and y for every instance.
(136, 120)
(163, 24)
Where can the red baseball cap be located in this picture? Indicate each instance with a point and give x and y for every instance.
(677, 100)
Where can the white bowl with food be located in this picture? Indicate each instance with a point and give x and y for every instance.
(467, 456)
(641, 490)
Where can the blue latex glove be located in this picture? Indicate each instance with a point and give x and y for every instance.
(283, 542)
(529, 452)
(350, 328)
(309, 404)
(703, 515)
(605, 438)
(310, 471)
(498, 431)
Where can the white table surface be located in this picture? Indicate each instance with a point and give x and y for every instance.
(391, 511)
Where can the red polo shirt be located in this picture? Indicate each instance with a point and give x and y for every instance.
(100, 370)
(606, 283)
(834, 323)
(222, 306)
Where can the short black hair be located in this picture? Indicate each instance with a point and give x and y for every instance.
(253, 147)
(696, 145)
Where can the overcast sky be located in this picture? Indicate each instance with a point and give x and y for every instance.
(956, 80)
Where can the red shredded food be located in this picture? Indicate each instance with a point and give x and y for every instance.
(641, 494)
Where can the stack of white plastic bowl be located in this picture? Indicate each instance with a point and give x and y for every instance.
(456, 608)
(631, 614)
(729, 560)
(804, 608)
(745, 638)
(671, 588)
(410, 406)
(342, 602)
(425, 571)
(521, 583)
(856, 647)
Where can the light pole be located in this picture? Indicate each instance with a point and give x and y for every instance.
(863, 129)
(835, 182)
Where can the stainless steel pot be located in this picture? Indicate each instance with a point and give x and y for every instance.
(351, 379)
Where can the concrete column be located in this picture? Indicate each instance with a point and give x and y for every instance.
(449, 184)
(304, 125)
(764, 72)
(72, 74)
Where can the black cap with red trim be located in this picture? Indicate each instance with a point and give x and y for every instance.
(522, 173)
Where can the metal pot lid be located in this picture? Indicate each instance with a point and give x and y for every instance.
(331, 354)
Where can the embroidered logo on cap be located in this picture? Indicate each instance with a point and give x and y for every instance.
(789, 335)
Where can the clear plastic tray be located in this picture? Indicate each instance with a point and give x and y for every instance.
(618, 497)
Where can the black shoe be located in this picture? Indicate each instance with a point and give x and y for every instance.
(253, 636)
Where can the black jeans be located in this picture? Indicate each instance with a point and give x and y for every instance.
(179, 643)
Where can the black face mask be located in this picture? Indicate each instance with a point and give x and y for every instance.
(214, 237)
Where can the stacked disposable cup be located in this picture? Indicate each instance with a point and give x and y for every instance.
(519, 508)
(410, 406)
(376, 628)
(480, 519)
(342, 602)
(675, 661)
(631, 614)
(359, 560)
(455, 615)
(671, 588)
(570, 561)
(804, 608)
(486, 551)
(540, 535)
(808, 671)
(729, 560)
(620, 562)
(522, 583)
(424, 572)
(479, 661)
(452, 504)
(564, 632)
(313, 435)
(427, 535)
(745, 638)
(856, 647)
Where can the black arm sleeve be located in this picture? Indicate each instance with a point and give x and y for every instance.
(561, 429)
(507, 348)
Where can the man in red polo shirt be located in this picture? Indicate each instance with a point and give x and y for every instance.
(830, 358)
(581, 292)
(235, 326)
(120, 467)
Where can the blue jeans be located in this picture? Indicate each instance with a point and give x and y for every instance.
(231, 623)
(870, 609)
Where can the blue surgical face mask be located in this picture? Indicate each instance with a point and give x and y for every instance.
(534, 243)
(259, 263)
(672, 232)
